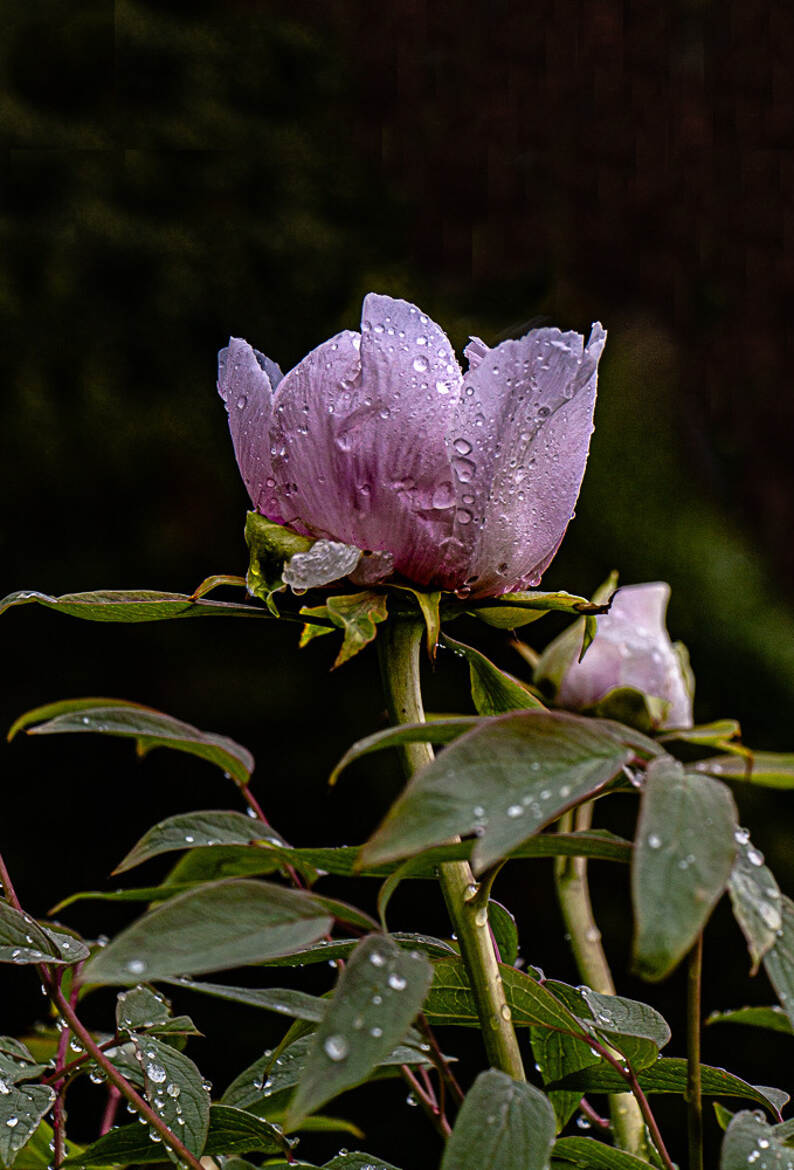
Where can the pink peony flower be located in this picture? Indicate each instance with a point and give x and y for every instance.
(462, 481)
(631, 649)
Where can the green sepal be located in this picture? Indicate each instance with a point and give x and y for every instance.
(357, 614)
(269, 546)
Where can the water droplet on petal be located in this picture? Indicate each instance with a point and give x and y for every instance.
(420, 363)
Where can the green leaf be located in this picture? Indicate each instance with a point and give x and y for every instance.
(16, 1063)
(435, 731)
(211, 863)
(325, 951)
(556, 1056)
(22, 940)
(749, 1141)
(269, 546)
(357, 614)
(131, 605)
(234, 1131)
(635, 1029)
(188, 830)
(282, 1000)
(685, 847)
(451, 1000)
(136, 894)
(779, 961)
(755, 897)
(505, 780)
(149, 728)
(773, 1018)
(429, 603)
(379, 992)
(356, 1161)
(594, 1155)
(273, 1074)
(769, 769)
(669, 1075)
(214, 927)
(21, 1109)
(717, 734)
(36, 1154)
(513, 610)
(493, 691)
(140, 1008)
(174, 1088)
(504, 1123)
(504, 930)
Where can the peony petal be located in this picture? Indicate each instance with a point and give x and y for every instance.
(519, 448)
(475, 351)
(358, 441)
(632, 649)
(246, 387)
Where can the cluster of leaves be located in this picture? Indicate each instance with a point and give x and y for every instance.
(239, 894)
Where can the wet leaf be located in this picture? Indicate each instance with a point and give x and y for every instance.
(357, 614)
(504, 1123)
(556, 1056)
(684, 846)
(451, 999)
(669, 1075)
(189, 830)
(504, 931)
(779, 961)
(140, 1008)
(769, 769)
(749, 1141)
(513, 610)
(283, 1000)
(755, 897)
(22, 940)
(269, 546)
(21, 1109)
(211, 928)
(773, 1018)
(272, 1074)
(590, 1154)
(504, 780)
(174, 1088)
(379, 992)
(149, 728)
(493, 691)
(132, 605)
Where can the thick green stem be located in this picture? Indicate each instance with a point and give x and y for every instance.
(573, 893)
(694, 1099)
(400, 643)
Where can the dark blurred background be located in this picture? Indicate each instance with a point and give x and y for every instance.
(175, 173)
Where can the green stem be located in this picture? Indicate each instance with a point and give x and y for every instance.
(573, 893)
(693, 1095)
(400, 643)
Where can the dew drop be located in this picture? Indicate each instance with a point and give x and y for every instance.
(741, 836)
(421, 340)
(242, 402)
(464, 469)
(136, 966)
(376, 1033)
(654, 842)
(397, 982)
(754, 857)
(156, 1073)
(420, 363)
(12, 1122)
(462, 446)
(377, 959)
(335, 1047)
(515, 810)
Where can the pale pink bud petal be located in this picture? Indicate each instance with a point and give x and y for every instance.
(246, 380)
(632, 649)
(519, 448)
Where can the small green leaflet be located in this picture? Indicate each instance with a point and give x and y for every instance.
(140, 1008)
(21, 1109)
(773, 1018)
(590, 1154)
(556, 1056)
(357, 614)
(502, 1123)
(284, 1001)
(149, 728)
(504, 780)
(635, 1029)
(504, 931)
(131, 605)
(272, 1074)
(189, 830)
(379, 992)
(669, 1075)
(451, 1000)
(749, 1141)
(22, 940)
(769, 769)
(175, 1090)
(685, 846)
(211, 928)
(435, 731)
(755, 897)
(493, 691)
(518, 609)
(779, 961)
(230, 1130)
